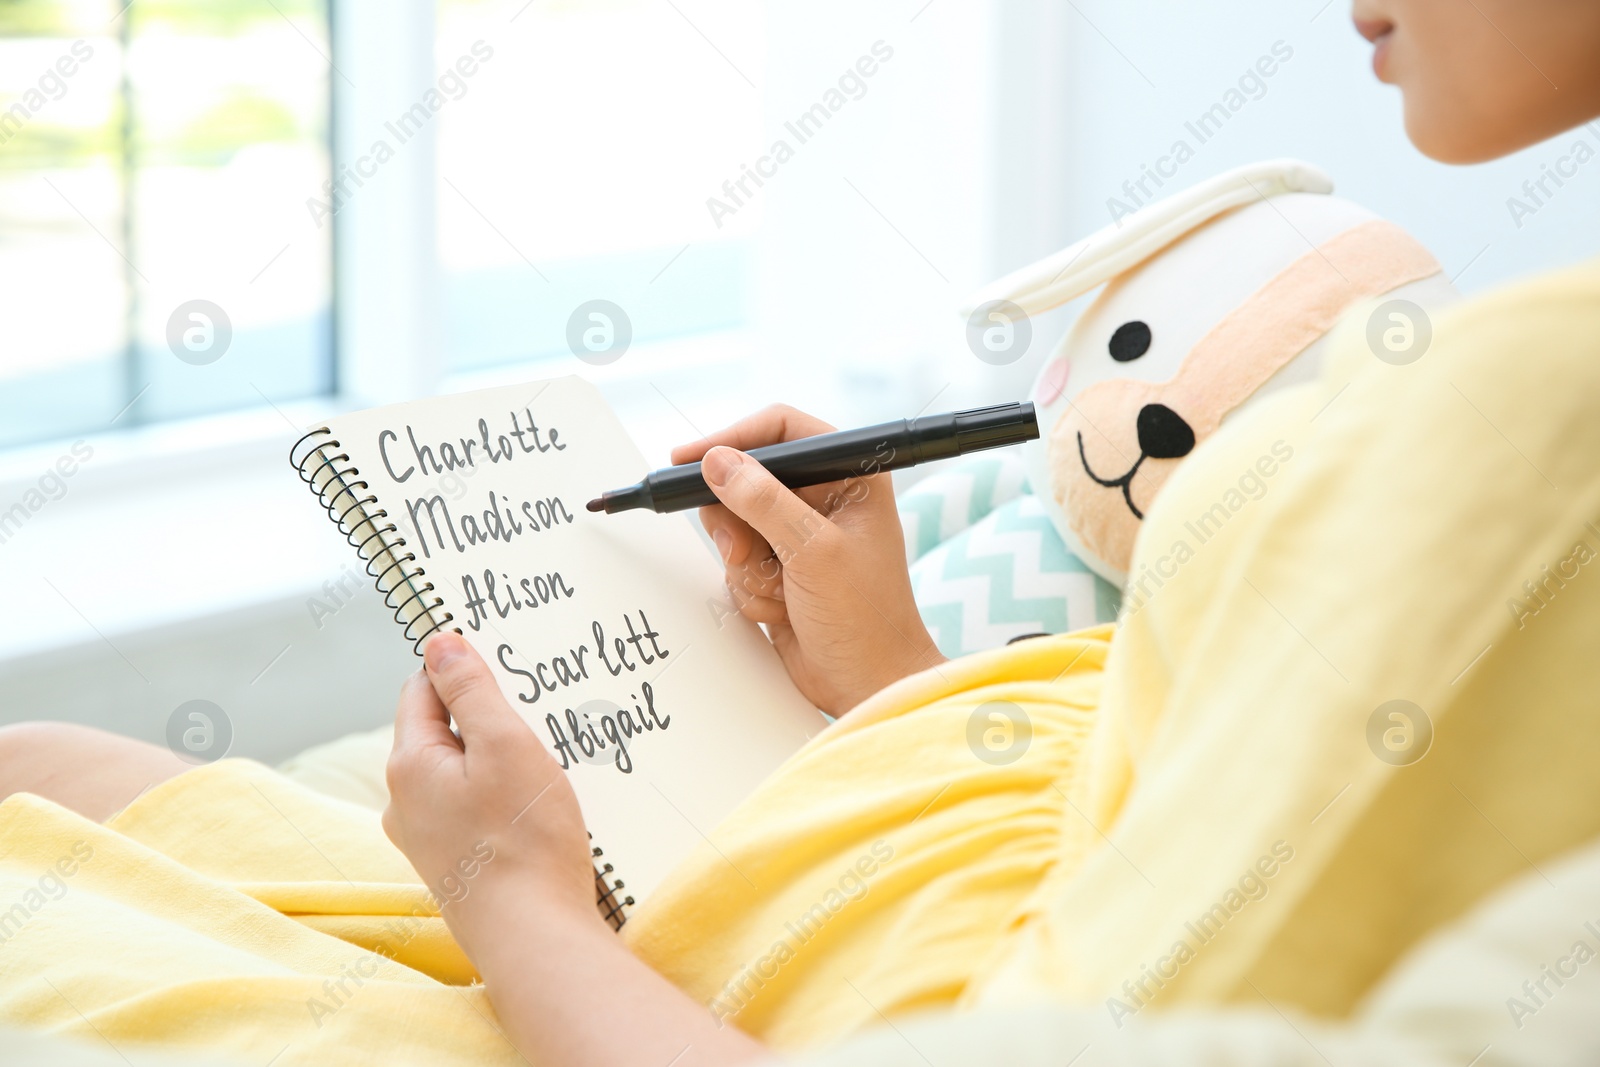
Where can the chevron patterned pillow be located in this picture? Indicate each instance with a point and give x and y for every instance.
(988, 566)
(943, 504)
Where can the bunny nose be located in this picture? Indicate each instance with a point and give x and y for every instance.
(1162, 432)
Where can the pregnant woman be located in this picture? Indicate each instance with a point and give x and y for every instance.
(1206, 809)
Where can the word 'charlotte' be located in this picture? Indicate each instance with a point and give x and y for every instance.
(502, 519)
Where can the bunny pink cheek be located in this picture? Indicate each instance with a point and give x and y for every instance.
(1054, 382)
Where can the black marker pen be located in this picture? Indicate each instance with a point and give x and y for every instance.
(832, 457)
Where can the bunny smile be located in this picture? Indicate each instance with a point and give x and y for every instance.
(1124, 482)
(1162, 434)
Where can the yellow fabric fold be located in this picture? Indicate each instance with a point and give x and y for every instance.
(887, 857)
(1412, 549)
(105, 935)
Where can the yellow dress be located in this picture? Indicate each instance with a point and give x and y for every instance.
(1354, 689)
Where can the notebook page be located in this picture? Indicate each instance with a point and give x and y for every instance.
(613, 635)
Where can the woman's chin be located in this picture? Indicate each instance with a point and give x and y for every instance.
(1447, 139)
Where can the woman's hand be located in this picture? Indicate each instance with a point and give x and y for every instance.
(486, 808)
(491, 823)
(824, 567)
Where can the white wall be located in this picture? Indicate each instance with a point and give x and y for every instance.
(958, 165)
(1323, 105)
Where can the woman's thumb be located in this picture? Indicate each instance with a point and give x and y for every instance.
(466, 687)
(750, 491)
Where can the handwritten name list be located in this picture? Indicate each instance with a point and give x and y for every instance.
(461, 522)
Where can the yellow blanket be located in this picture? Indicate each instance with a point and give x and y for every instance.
(1226, 803)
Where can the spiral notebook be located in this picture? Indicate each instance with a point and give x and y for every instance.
(613, 635)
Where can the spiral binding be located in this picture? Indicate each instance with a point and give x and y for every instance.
(336, 482)
(610, 905)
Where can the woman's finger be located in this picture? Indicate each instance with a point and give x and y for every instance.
(735, 539)
(763, 609)
(420, 719)
(750, 491)
(750, 563)
(738, 541)
(463, 682)
(757, 576)
(780, 422)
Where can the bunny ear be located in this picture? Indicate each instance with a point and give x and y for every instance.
(1101, 256)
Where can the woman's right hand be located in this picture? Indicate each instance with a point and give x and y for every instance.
(823, 567)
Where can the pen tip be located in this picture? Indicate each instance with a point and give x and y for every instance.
(597, 504)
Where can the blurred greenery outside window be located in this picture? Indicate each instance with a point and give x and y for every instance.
(165, 152)
(145, 156)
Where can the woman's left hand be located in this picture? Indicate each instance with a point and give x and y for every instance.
(490, 822)
(485, 808)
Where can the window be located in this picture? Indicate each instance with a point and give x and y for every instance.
(156, 257)
(576, 165)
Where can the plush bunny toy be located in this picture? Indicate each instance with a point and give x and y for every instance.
(1213, 297)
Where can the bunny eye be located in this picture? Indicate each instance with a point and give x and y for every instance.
(1130, 341)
